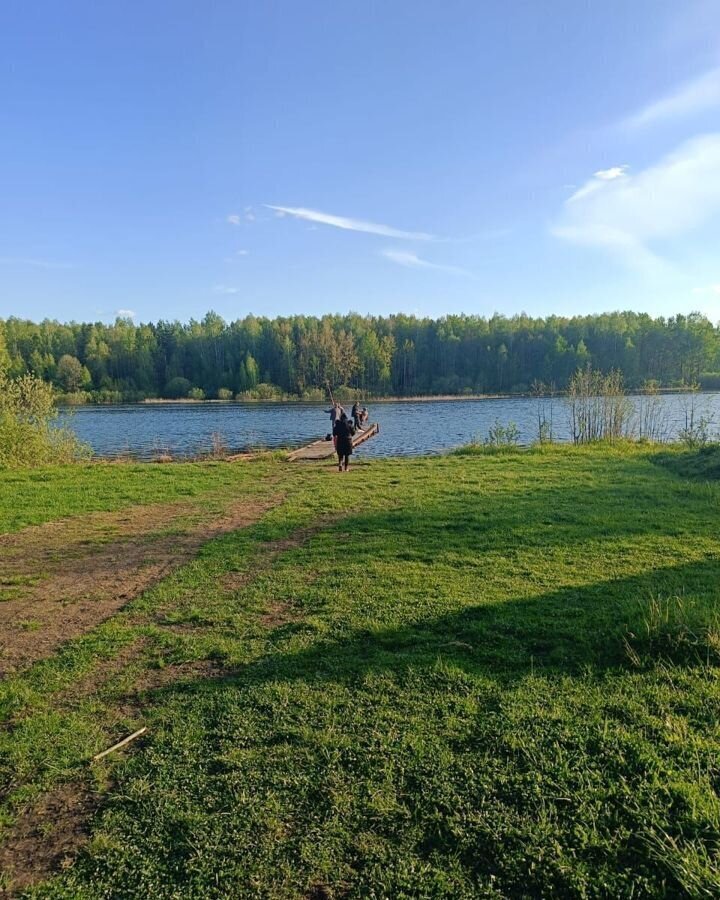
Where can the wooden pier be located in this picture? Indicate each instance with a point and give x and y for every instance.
(324, 449)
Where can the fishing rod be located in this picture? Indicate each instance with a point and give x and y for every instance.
(332, 399)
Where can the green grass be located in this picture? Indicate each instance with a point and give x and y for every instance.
(32, 497)
(702, 464)
(494, 675)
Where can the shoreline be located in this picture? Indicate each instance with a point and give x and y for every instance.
(423, 398)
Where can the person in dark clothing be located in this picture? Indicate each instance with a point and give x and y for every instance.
(356, 415)
(343, 432)
(334, 411)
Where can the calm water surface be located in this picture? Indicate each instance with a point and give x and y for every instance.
(405, 428)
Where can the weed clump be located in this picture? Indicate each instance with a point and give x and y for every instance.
(675, 628)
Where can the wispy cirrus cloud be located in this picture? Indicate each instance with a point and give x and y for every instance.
(688, 99)
(349, 224)
(33, 263)
(596, 182)
(628, 214)
(412, 261)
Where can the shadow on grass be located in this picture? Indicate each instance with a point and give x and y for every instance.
(443, 521)
(701, 464)
(565, 632)
(606, 624)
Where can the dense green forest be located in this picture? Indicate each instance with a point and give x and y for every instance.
(381, 356)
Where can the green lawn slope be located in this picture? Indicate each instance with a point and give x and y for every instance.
(485, 675)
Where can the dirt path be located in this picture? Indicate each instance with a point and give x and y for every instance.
(51, 830)
(61, 579)
(69, 808)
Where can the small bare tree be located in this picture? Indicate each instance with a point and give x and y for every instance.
(696, 431)
(544, 395)
(651, 421)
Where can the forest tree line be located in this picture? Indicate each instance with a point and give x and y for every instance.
(396, 355)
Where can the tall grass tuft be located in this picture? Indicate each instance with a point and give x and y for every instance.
(651, 421)
(544, 395)
(676, 628)
(599, 408)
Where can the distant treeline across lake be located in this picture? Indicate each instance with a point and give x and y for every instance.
(396, 355)
(406, 428)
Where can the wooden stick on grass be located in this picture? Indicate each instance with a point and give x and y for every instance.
(120, 744)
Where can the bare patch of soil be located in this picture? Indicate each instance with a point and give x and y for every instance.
(70, 537)
(196, 670)
(89, 574)
(279, 613)
(141, 697)
(46, 836)
(48, 833)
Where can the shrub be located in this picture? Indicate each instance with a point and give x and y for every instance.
(502, 435)
(224, 394)
(315, 395)
(696, 431)
(72, 374)
(27, 434)
(196, 393)
(107, 396)
(177, 388)
(345, 394)
(599, 409)
(75, 398)
(262, 391)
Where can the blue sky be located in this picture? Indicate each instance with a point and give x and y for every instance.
(161, 159)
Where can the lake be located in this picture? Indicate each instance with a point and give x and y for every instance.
(406, 428)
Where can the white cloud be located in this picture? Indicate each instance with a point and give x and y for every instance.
(596, 182)
(125, 313)
(708, 289)
(627, 214)
(236, 219)
(347, 224)
(225, 289)
(612, 173)
(242, 253)
(34, 263)
(413, 261)
(693, 97)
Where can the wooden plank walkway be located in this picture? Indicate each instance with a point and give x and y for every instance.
(324, 449)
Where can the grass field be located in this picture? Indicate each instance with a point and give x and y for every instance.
(478, 675)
